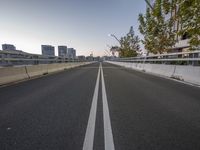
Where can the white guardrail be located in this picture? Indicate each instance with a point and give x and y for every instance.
(183, 66)
(179, 58)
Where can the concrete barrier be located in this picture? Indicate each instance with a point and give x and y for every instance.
(55, 67)
(76, 64)
(189, 74)
(12, 74)
(37, 70)
(72, 65)
(160, 69)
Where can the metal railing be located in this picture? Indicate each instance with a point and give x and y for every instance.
(179, 58)
(11, 58)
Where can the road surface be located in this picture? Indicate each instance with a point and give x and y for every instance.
(100, 107)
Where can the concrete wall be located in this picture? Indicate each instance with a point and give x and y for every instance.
(37, 70)
(189, 74)
(13, 74)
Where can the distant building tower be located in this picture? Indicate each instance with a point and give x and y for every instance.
(8, 47)
(71, 53)
(74, 53)
(81, 58)
(62, 51)
(48, 50)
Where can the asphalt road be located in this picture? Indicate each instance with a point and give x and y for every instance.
(99, 107)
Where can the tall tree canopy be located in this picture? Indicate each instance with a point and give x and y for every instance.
(167, 20)
(157, 27)
(129, 44)
(189, 15)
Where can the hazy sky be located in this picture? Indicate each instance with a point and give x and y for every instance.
(82, 24)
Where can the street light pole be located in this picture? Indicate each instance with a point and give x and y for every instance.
(147, 1)
(115, 38)
(113, 52)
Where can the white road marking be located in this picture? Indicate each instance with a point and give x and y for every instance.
(108, 136)
(89, 135)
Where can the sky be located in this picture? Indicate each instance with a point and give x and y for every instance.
(81, 24)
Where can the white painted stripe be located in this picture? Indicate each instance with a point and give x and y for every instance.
(89, 135)
(108, 136)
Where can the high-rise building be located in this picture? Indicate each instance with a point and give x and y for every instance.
(71, 53)
(182, 41)
(8, 47)
(62, 51)
(48, 50)
(74, 53)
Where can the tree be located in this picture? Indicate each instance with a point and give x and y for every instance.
(189, 14)
(129, 44)
(166, 21)
(156, 28)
